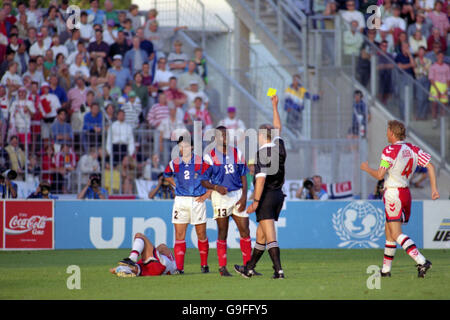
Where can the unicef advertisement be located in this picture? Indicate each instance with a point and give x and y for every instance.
(302, 224)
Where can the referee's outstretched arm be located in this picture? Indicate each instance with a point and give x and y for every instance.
(276, 114)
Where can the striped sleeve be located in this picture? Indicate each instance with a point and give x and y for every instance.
(423, 157)
(169, 170)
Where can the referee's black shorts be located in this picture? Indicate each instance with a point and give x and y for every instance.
(270, 205)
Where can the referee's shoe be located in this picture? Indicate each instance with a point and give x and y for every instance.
(243, 271)
(278, 275)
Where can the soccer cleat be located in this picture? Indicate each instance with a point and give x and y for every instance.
(224, 272)
(278, 275)
(385, 274)
(179, 271)
(127, 262)
(423, 268)
(255, 273)
(204, 269)
(243, 271)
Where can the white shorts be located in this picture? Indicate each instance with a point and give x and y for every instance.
(225, 205)
(187, 210)
(168, 262)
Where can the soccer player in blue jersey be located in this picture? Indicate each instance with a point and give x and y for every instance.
(186, 173)
(229, 195)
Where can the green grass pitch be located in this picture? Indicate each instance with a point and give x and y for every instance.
(310, 274)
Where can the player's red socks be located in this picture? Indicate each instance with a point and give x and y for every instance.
(203, 248)
(180, 251)
(222, 252)
(246, 249)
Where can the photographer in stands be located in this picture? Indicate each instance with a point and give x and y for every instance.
(42, 192)
(163, 190)
(93, 190)
(312, 189)
(8, 189)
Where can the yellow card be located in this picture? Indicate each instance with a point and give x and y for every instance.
(271, 92)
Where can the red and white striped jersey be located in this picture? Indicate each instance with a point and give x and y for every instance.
(401, 159)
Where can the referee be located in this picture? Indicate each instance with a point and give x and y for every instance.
(268, 196)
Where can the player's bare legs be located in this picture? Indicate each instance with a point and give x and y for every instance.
(141, 247)
(164, 250)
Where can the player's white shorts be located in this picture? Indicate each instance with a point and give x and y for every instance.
(225, 205)
(168, 262)
(187, 210)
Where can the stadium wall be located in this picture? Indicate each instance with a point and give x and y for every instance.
(97, 224)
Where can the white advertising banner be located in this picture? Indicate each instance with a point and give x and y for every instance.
(436, 224)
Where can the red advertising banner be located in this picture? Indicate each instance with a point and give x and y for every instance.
(28, 224)
(2, 230)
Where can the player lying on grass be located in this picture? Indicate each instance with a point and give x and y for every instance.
(399, 160)
(154, 261)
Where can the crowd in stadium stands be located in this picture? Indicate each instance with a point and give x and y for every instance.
(412, 34)
(65, 92)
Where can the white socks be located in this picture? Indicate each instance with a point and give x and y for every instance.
(138, 247)
(410, 248)
(389, 253)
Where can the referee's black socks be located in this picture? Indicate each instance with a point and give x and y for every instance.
(274, 252)
(257, 253)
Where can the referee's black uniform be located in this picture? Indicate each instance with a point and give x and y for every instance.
(270, 160)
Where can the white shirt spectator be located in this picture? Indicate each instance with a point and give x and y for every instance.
(395, 22)
(121, 133)
(349, 16)
(171, 129)
(132, 111)
(74, 69)
(60, 49)
(36, 50)
(87, 164)
(427, 4)
(192, 95)
(37, 76)
(162, 76)
(21, 111)
(108, 36)
(13, 78)
(4, 106)
(86, 31)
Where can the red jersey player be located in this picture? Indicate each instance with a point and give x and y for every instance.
(399, 160)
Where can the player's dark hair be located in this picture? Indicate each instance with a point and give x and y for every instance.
(186, 139)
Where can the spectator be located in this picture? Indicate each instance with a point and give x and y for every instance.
(197, 114)
(49, 63)
(402, 38)
(11, 80)
(158, 112)
(135, 57)
(378, 192)
(439, 19)
(123, 75)
(312, 189)
(395, 23)
(88, 164)
(58, 48)
(133, 15)
(93, 190)
(141, 91)
(33, 169)
(61, 130)
(384, 35)
(162, 76)
(119, 47)
(80, 48)
(96, 15)
(42, 192)
(404, 61)
(110, 116)
(417, 41)
(115, 91)
(177, 60)
(163, 190)
(367, 50)
(16, 155)
(38, 48)
(110, 33)
(8, 188)
(351, 15)
(170, 128)
(127, 171)
(105, 98)
(189, 77)
(111, 14)
(92, 128)
(48, 106)
(86, 29)
(153, 168)
(194, 92)
(420, 25)
(295, 96)
(352, 40)
(200, 61)
(78, 69)
(423, 172)
(120, 139)
(65, 164)
(439, 77)
(57, 90)
(331, 10)
(77, 99)
(421, 70)
(235, 127)
(98, 48)
(145, 44)
(360, 117)
(21, 111)
(432, 55)
(159, 36)
(436, 37)
(133, 110)
(99, 69)
(384, 67)
(72, 43)
(22, 57)
(174, 94)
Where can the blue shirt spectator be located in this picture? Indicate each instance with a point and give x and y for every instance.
(61, 130)
(91, 194)
(359, 117)
(5, 192)
(92, 119)
(123, 75)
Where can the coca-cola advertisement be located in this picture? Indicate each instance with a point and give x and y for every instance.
(28, 225)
